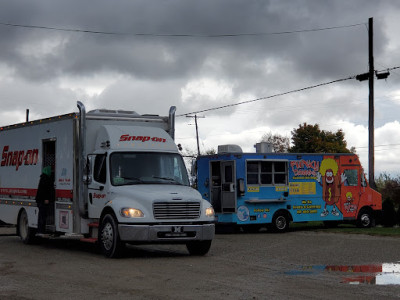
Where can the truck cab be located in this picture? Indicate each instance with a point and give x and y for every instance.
(136, 182)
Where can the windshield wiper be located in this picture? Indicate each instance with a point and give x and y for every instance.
(168, 178)
(133, 179)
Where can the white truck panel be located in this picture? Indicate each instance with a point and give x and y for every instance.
(22, 158)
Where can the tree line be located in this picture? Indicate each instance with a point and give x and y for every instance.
(309, 138)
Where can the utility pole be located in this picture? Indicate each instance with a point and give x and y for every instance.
(371, 126)
(370, 77)
(197, 131)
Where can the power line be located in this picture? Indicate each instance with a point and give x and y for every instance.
(383, 145)
(77, 30)
(277, 95)
(269, 97)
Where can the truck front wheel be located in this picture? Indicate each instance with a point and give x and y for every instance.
(365, 219)
(109, 241)
(198, 248)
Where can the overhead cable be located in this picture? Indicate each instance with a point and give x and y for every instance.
(173, 34)
(268, 97)
(277, 95)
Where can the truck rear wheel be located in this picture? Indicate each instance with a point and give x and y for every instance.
(109, 241)
(198, 248)
(26, 233)
(280, 222)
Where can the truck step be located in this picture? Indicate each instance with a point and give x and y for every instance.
(89, 240)
(72, 236)
(93, 224)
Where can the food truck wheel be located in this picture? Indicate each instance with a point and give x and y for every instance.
(280, 222)
(198, 248)
(26, 233)
(109, 241)
(365, 219)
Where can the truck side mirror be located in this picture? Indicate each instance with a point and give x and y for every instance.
(240, 184)
(193, 168)
(87, 177)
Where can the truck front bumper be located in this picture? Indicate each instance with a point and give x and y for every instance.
(166, 233)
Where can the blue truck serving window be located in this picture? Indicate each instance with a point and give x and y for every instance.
(266, 172)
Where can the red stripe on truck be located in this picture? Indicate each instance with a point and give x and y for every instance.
(32, 192)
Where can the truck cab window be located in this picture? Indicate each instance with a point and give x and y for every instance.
(351, 177)
(363, 180)
(99, 172)
(127, 168)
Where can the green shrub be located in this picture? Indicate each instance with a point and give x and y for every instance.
(389, 216)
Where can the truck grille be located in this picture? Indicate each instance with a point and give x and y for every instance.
(172, 210)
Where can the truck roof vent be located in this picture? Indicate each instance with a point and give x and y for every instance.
(229, 149)
(114, 112)
(264, 147)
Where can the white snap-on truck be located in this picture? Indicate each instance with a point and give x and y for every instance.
(118, 176)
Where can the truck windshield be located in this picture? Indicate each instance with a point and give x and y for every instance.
(147, 168)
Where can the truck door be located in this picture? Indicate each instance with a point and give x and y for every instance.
(350, 191)
(215, 185)
(96, 189)
(222, 187)
(49, 159)
(228, 184)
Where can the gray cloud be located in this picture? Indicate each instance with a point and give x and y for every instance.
(42, 68)
(318, 54)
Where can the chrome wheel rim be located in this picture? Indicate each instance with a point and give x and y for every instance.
(365, 220)
(280, 222)
(108, 236)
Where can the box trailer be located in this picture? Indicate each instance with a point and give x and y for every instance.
(118, 176)
(252, 190)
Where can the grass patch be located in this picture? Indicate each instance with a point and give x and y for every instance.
(346, 228)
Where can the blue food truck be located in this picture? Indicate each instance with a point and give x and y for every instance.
(266, 189)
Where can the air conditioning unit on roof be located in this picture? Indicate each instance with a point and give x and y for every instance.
(222, 149)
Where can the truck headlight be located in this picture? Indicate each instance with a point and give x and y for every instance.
(129, 212)
(210, 212)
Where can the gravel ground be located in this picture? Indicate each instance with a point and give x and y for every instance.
(295, 265)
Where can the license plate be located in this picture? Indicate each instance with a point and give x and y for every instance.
(176, 231)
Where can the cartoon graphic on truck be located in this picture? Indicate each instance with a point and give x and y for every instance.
(252, 190)
(330, 185)
(118, 175)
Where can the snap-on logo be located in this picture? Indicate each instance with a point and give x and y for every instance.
(127, 137)
(19, 157)
(99, 196)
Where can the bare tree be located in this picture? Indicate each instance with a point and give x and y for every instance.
(279, 142)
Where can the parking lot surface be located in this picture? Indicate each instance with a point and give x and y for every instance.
(295, 265)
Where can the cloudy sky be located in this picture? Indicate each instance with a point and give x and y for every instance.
(151, 54)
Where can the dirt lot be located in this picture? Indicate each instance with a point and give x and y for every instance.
(295, 265)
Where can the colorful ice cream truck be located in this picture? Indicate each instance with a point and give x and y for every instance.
(253, 190)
